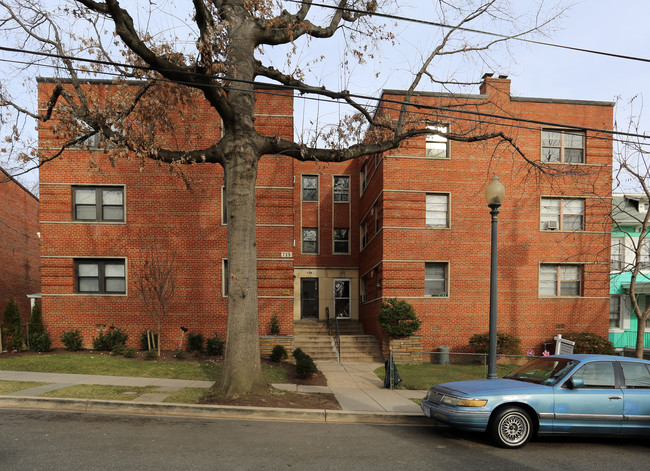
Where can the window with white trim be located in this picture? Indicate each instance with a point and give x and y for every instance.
(341, 241)
(100, 276)
(644, 262)
(437, 146)
(617, 259)
(560, 280)
(342, 298)
(615, 317)
(435, 279)
(341, 188)
(310, 240)
(565, 214)
(363, 177)
(98, 203)
(363, 229)
(563, 146)
(310, 187)
(437, 210)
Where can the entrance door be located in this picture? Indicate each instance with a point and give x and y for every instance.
(309, 298)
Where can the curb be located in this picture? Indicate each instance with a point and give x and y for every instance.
(212, 411)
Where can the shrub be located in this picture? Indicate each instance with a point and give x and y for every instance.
(40, 342)
(35, 326)
(397, 318)
(279, 353)
(105, 342)
(214, 345)
(195, 342)
(144, 343)
(11, 326)
(150, 355)
(72, 340)
(305, 366)
(588, 342)
(180, 354)
(118, 349)
(274, 325)
(507, 344)
(129, 352)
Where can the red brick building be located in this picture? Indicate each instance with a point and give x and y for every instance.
(19, 247)
(341, 237)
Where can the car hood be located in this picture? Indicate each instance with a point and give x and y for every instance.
(487, 386)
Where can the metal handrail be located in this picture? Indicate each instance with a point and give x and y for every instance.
(338, 339)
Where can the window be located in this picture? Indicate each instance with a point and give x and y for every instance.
(436, 145)
(309, 240)
(435, 279)
(342, 241)
(342, 189)
(615, 319)
(363, 290)
(225, 273)
(560, 280)
(618, 254)
(310, 188)
(597, 375)
(103, 204)
(437, 211)
(637, 375)
(342, 298)
(364, 234)
(100, 276)
(363, 177)
(377, 220)
(563, 146)
(562, 214)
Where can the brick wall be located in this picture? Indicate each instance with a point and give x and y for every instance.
(19, 245)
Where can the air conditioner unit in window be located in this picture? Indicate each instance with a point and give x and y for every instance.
(551, 225)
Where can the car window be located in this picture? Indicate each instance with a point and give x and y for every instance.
(547, 371)
(637, 375)
(597, 375)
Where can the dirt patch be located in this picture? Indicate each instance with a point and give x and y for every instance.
(275, 398)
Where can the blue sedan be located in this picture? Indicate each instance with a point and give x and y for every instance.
(562, 394)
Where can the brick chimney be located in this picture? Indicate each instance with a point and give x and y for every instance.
(499, 86)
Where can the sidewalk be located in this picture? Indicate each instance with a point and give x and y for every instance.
(358, 390)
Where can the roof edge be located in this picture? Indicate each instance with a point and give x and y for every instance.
(11, 178)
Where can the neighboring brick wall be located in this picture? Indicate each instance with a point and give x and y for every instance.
(19, 245)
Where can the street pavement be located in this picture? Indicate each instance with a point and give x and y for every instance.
(359, 391)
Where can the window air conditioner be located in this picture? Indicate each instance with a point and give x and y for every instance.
(551, 225)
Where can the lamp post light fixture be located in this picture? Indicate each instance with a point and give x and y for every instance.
(494, 194)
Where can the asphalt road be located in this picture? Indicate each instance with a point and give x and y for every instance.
(45, 440)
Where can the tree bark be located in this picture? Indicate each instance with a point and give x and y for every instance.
(242, 371)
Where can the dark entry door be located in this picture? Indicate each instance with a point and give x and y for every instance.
(309, 298)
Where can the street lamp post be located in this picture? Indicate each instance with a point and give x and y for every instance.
(494, 194)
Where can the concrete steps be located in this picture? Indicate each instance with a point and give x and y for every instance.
(313, 338)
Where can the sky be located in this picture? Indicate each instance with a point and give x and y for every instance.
(535, 70)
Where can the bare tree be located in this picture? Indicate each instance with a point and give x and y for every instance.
(156, 282)
(233, 41)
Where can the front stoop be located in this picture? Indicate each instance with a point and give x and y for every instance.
(313, 338)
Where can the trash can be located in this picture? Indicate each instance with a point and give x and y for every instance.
(443, 355)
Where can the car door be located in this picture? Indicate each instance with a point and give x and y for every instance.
(589, 402)
(636, 396)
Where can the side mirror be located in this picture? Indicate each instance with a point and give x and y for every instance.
(576, 383)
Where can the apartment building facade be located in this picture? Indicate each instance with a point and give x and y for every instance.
(339, 238)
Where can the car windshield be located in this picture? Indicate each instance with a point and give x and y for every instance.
(547, 371)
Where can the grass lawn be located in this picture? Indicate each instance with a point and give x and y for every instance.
(105, 364)
(425, 375)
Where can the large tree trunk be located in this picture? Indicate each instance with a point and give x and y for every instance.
(242, 370)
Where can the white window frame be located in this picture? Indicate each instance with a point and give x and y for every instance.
(303, 179)
(617, 256)
(315, 229)
(434, 143)
(434, 203)
(558, 275)
(617, 299)
(339, 193)
(644, 257)
(556, 142)
(430, 292)
(347, 241)
(348, 298)
(554, 213)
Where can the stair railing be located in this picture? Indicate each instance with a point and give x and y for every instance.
(338, 339)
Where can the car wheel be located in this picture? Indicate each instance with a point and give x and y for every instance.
(511, 427)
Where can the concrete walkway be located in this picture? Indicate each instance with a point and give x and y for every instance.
(356, 387)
